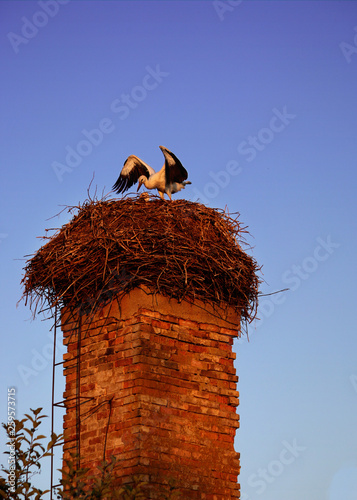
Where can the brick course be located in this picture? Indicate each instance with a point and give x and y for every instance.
(158, 383)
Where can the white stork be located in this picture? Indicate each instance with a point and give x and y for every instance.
(170, 179)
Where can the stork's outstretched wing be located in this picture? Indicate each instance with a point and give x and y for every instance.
(174, 170)
(133, 168)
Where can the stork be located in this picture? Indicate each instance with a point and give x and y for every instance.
(170, 179)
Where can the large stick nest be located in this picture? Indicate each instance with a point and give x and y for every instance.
(179, 249)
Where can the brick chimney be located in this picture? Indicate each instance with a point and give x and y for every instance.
(157, 387)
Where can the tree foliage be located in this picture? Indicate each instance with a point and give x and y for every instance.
(26, 451)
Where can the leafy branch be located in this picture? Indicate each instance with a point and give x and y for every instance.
(25, 450)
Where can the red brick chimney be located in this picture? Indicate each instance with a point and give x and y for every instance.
(157, 389)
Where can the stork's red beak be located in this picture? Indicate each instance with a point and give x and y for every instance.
(139, 186)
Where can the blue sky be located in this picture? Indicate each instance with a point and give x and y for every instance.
(258, 100)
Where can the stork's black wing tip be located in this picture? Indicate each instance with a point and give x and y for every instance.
(119, 186)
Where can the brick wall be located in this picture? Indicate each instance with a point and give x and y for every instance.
(158, 391)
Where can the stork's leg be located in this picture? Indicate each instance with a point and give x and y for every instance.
(169, 193)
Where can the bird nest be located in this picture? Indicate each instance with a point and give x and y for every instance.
(179, 249)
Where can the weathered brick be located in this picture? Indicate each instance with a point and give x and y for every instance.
(163, 390)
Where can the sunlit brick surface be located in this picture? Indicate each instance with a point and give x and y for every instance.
(158, 385)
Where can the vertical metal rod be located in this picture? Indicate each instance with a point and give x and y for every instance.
(78, 398)
(53, 395)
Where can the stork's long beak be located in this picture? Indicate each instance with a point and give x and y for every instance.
(139, 185)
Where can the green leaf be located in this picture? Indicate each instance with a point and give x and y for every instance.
(28, 417)
(41, 436)
(37, 411)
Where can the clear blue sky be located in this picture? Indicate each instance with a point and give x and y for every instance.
(258, 100)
